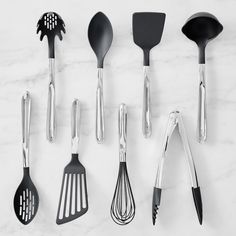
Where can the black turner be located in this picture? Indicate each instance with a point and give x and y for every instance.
(73, 201)
(26, 198)
(147, 33)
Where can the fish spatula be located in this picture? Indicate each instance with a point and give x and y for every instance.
(73, 201)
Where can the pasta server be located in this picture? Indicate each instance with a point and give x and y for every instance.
(175, 120)
(51, 25)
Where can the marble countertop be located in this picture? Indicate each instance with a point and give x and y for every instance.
(174, 85)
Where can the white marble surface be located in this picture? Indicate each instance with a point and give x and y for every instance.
(174, 77)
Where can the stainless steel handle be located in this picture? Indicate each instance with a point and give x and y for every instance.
(100, 108)
(51, 110)
(172, 123)
(183, 135)
(202, 119)
(147, 126)
(122, 127)
(75, 125)
(25, 110)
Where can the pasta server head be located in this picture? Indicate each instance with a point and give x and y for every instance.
(51, 24)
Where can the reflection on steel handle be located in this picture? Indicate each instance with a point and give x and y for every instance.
(172, 122)
(75, 125)
(25, 109)
(51, 125)
(183, 135)
(202, 120)
(99, 109)
(147, 126)
(122, 126)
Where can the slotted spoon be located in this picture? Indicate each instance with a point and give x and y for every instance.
(26, 198)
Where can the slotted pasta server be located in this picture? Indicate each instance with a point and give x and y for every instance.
(51, 25)
(26, 198)
(73, 201)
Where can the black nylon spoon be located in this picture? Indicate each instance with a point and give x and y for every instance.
(201, 28)
(100, 35)
(147, 33)
(26, 198)
(51, 25)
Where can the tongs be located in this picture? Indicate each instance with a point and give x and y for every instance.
(175, 120)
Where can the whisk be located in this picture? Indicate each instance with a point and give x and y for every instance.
(123, 205)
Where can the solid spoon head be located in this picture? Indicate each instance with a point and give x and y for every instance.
(202, 27)
(100, 35)
(26, 199)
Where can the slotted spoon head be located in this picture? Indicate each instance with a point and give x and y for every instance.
(26, 199)
(73, 201)
(51, 24)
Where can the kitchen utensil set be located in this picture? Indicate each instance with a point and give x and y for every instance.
(73, 202)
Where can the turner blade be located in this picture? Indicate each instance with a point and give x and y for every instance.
(73, 201)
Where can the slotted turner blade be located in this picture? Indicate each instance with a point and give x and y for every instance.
(73, 201)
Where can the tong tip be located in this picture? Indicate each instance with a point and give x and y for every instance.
(198, 202)
(156, 199)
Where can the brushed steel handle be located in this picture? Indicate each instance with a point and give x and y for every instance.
(75, 125)
(99, 109)
(146, 121)
(25, 110)
(51, 109)
(202, 117)
(122, 127)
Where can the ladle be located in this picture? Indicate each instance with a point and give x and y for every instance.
(201, 28)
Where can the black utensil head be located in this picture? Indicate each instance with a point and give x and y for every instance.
(73, 201)
(51, 24)
(100, 35)
(202, 27)
(26, 199)
(147, 30)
